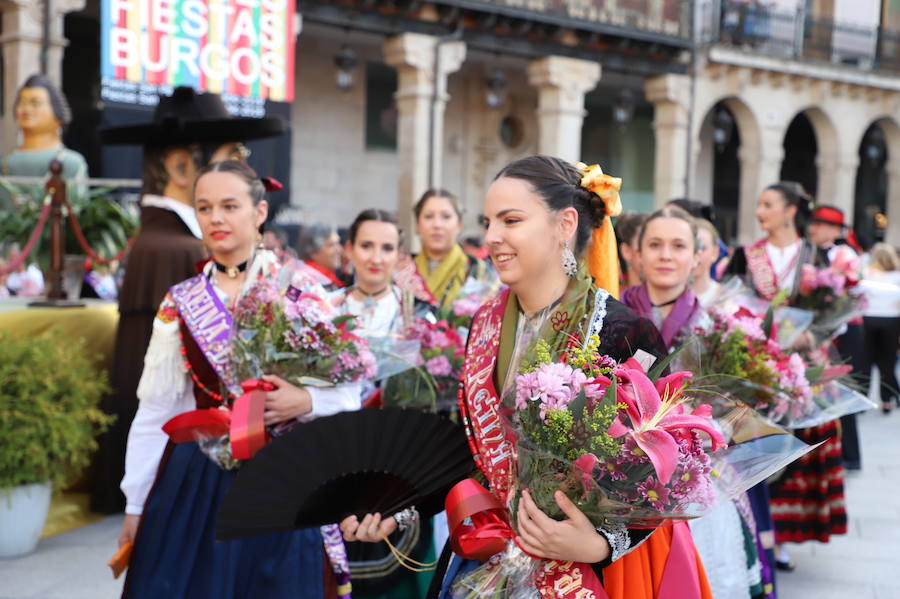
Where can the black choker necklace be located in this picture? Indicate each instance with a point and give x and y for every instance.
(664, 304)
(231, 271)
(370, 298)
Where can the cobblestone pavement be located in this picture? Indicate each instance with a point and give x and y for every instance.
(864, 564)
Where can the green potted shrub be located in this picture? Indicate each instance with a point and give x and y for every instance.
(49, 419)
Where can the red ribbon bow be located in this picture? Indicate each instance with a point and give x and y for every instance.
(489, 531)
(244, 423)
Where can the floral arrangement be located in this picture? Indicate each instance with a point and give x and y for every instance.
(291, 334)
(828, 293)
(738, 357)
(432, 382)
(623, 448)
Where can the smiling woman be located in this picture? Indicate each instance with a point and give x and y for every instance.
(442, 263)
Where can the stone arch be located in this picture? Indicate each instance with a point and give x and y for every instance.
(748, 133)
(877, 180)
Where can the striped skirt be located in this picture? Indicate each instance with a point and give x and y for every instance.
(808, 499)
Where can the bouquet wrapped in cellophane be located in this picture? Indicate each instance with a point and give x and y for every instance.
(432, 380)
(630, 449)
(738, 357)
(276, 329)
(829, 294)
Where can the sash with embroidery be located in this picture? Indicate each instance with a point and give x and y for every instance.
(407, 278)
(209, 323)
(761, 271)
(494, 450)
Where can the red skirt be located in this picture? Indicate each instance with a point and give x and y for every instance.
(808, 499)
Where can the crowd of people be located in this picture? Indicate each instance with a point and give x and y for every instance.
(544, 256)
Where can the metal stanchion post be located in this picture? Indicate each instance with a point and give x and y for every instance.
(56, 189)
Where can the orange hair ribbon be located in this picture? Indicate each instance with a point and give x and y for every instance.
(603, 254)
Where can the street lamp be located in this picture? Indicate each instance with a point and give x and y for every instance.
(723, 123)
(496, 89)
(623, 108)
(346, 62)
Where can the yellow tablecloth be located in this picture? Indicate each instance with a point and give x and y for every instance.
(95, 322)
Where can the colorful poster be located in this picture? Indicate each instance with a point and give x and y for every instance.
(242, 48)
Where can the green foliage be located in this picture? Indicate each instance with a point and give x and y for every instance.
(49, 415)
(106, 224)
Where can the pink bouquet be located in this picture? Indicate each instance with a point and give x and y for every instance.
(293, 334)
(828, 293)
(623, 448)
(432, 382)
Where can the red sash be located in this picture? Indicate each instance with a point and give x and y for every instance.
(760, 268)
(494, 453)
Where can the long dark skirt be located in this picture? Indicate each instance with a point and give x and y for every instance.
(176, 555)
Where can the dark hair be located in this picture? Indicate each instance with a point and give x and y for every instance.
(628, 225)
(436, 192)
(795, 195)
(153, 164)
(672, 213)
(376, 215)
(256, 190)
(694, 208)
(58, 102)
(559, 184)
(311, 239)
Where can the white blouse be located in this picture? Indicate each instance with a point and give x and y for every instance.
(166, 390)
(784, 262)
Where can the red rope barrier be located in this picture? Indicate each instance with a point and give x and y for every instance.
(32, 240)
(85, 246)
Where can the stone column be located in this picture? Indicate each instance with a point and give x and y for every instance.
(670, 95)
(421, 98)
(562, 83)
(21, 41)
(892, 235)
(760, 166)
(837, 180)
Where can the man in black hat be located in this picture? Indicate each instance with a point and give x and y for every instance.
(825, 230)
(188, 131)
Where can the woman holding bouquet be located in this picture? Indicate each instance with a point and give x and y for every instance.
(173, 490)
(669, 246)
(539, 220)
(382, 308)
(442, 264)
(807, 502)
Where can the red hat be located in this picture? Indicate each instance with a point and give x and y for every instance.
(828, 215)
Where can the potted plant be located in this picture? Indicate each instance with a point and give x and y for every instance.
(49, 419)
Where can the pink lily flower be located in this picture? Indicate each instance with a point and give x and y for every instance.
(584, 467)
(657, 413)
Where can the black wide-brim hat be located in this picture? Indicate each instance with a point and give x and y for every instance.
(188, 117)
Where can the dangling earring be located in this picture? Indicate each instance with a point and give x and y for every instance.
(569, 264)
(259, 242)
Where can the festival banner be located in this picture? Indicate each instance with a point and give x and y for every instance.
(243, 48)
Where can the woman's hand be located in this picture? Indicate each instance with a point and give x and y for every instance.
(574, 539)
(129, 528)
(286, 402)
(371, 530)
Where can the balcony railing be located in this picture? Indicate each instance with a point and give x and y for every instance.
(799, 35)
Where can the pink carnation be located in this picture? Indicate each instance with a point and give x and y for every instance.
(439, 366)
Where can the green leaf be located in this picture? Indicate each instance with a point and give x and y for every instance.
(657, 369)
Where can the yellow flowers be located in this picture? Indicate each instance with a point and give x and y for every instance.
(606, 187)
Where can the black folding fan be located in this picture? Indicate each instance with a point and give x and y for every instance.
(351, 463)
